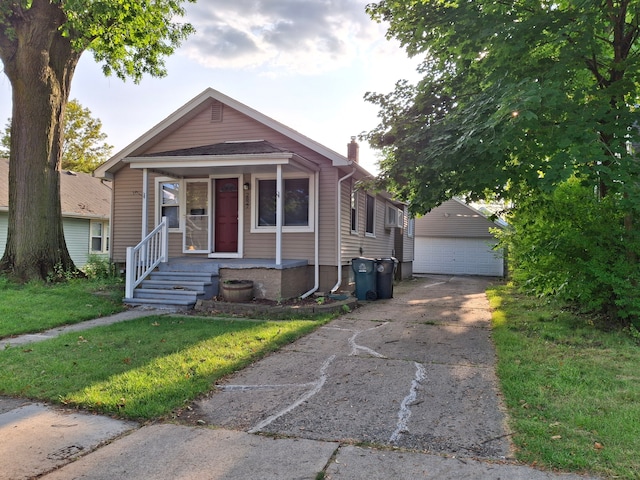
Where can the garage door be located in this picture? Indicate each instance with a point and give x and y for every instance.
(457, 256)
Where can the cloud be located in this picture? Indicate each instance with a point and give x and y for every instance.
(301, 36)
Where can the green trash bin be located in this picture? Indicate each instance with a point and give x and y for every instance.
(385, 271)
(364, 270)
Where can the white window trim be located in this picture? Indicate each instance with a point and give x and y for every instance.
(181, 202)
(255, 228)
(104, 237)
(375, 206)
(411, 227)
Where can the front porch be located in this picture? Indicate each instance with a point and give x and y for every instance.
(271, 281)
(182, 281)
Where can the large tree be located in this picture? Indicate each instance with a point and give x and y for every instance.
(84, 146)
(516, 94)
(41, 42)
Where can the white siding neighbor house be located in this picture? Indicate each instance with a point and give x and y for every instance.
(86, 206)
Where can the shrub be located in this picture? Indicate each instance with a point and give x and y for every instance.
(576, 247)
(101, 268)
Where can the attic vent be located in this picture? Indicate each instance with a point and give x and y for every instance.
(216, 112)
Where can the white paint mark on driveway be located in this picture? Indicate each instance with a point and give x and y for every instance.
(317, 386)
(355, 348)
(405, 411)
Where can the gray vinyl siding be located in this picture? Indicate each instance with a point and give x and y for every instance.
(380, 244)
(328, 235)
(126, 208)
(408, 244)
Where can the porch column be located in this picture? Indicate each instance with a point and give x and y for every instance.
(279, 215)
(145, 203)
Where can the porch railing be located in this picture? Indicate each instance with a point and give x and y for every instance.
(146, 256)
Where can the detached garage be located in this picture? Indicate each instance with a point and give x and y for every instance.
(454, 239)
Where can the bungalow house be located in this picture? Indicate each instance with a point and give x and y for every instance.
(218, 191)
(456, 239)
(86, 205)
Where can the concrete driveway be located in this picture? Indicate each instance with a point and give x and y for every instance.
(416, 371)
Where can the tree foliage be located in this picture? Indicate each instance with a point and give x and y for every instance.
(84, 146)
(515, 94)
(41, 42)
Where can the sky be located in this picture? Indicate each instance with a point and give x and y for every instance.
(305, 63)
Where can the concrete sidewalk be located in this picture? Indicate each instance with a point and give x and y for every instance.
(412, 376)
(78, 327)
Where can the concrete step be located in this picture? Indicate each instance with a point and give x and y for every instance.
(182, 276)
(179, 304)
(167, 294)
(190, 266)
(174, 285)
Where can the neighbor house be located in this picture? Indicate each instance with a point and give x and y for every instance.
(456, 239)
(86, 205)
(244, 197)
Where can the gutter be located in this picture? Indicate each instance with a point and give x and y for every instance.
(339, 235)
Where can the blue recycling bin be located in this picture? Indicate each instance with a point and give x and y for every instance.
(364, 270)
(385, 271)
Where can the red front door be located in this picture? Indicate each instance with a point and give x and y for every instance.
(226, 215)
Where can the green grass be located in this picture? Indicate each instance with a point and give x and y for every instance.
(37, 306)
(142, 368)
(572, 389)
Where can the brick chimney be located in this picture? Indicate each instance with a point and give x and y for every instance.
(352, 150)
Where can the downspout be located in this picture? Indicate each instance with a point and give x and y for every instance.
(316, 224)
(339, 236)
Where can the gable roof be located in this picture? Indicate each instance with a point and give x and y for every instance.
(194, 106)
(455, 218)
(81, 195)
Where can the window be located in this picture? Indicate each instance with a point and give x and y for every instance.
(354, 210)
(99, 241)
(297, 204)
(371, 215)
(169, 195)
(411, 228)
(394, 218)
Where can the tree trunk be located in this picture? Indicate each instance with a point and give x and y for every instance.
(40, 66)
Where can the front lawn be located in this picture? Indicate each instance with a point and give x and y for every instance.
(36, 307)
(572, 389)
(142, 368)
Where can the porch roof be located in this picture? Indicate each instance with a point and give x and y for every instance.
(241, 155)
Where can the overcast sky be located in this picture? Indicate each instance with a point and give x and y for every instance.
(305, 63)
